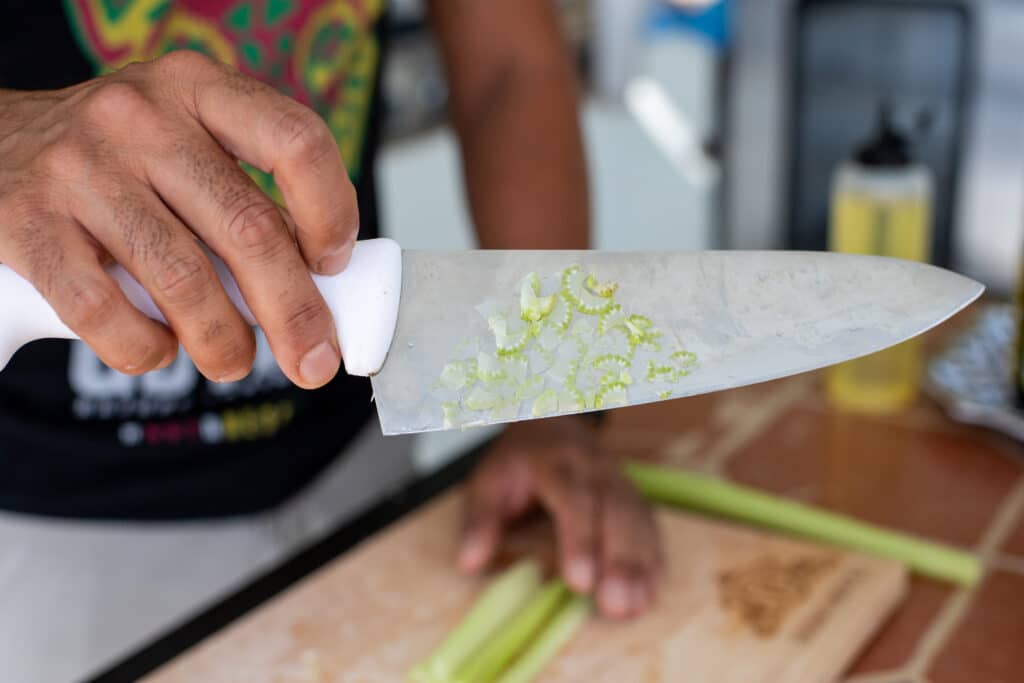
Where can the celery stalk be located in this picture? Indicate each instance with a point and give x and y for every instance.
(570, 617)
(496, 652)
(722, 498)
(500, 600)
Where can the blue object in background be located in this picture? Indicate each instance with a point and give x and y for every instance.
(710, 23)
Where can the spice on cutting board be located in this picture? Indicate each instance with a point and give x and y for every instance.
(762, 593)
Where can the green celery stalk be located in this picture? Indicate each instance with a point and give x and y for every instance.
(715, 496)
(570, 617)
(500, 600)
(496, 652)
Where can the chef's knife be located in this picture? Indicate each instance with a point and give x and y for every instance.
(480, 337)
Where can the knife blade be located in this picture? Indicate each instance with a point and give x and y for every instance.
(458, 339)
(744, 317)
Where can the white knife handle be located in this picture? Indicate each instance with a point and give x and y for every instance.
(363, 299)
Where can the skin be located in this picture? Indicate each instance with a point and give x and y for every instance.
(514, 106)
(139, 166)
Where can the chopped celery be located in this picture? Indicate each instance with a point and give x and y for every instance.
(533, 306)
(483, 399)
(495, 653)
(610, 319)
(530, 388)
(603, 290)
(571, 401)
(452, 414)
(458, 374)
(571, 615)
(507, 337)
(611, 395)
(501, 599)
(574, 287)
(566, 346)
(561, 313)
(546, 403)
(489, 368)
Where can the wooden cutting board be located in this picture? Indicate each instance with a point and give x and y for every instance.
(372, 614)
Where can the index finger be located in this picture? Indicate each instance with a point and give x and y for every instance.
(280, 136)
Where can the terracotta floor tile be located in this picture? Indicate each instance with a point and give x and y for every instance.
(894, 645)
(988, 646)
(1015, 544)
(635, 444)
(707, 412)
(943, 486)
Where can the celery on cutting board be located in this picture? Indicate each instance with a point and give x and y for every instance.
(563, 625)
(715, 496)
(498, 651)
(501, 599)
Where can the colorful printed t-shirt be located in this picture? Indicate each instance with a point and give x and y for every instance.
(79, 439)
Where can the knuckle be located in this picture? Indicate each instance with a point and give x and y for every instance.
(65, 155)
(227, 350)
(144, 235)
(43, 259)
(179, 61)
(303, 135)
(117, 100)
(342, 225)
(87, 303)
(257, 228)
(307, 320)
(183, 278)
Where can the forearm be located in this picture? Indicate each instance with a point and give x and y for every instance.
(514, 106)
(524, 165)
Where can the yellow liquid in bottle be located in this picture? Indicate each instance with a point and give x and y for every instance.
(886, 381)
(1018, 358)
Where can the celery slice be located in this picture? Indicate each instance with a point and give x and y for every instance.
(499, 601)
(501, 648)
(546, 403)
(715, 496)
(562, 627)
(532, 306)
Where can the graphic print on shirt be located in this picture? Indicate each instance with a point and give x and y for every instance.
(323, 53)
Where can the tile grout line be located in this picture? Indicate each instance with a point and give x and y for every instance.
(1003, 523)
(679, 451)
(741, 433)
(941, 628)
(1012, 564)
(893, 676)
(955, 608)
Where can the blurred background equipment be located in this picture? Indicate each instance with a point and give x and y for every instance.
(805, 80)
(756, 124)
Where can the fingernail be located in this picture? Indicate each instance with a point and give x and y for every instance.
(471, 555)
(320, 364)
(615, 597)
(468, 557)
(333, 262)
(580, 574)
(229, 377)
(168, 358)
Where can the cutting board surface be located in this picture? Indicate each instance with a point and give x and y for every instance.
(378, 610)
